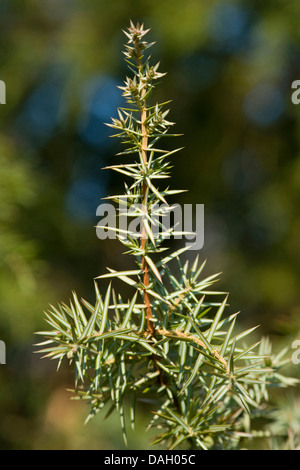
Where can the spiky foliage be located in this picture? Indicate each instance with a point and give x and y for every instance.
(171, 343)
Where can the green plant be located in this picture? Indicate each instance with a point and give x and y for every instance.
(172, 342)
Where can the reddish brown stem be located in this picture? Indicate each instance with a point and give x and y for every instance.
(150, 325)
(149, 316)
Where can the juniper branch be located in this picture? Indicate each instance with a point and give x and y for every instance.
(173, 345)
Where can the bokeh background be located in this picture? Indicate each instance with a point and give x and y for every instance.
(230, 66)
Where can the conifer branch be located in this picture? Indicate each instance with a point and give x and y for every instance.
(171, 342)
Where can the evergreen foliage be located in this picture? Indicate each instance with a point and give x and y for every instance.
(172, 343)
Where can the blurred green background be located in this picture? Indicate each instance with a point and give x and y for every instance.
(230, 66)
